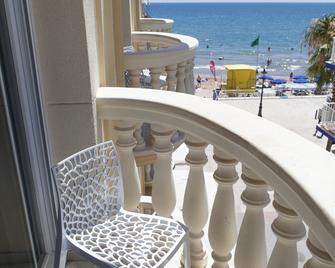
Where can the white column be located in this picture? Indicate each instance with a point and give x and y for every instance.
(181, 77)
(140, 143)
(192, 77)
(289, 229)
(155, 74)
(171, 78)
(163, 189)
(135, 81)
(222, 232)
(187, 77)
(320, 257)
(195, 206)
(134, 78)
(251, 243)
(131, 182)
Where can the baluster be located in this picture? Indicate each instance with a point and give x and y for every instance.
(140, 143)
(187, 77)
(135, 81)
(289, 229)
(181, 77)
(142, 46)
(171, 78)
(131, 182)
(163, 189)
(320, 257)
(155, 74)
(195, 206)
(134, 78)
(192, 77)
(251, 246)
(222, 232)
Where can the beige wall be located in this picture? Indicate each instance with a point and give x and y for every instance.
(126, 23)
(67, 58)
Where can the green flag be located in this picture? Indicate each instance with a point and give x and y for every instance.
(255, 42)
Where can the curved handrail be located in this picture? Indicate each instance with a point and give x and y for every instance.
(156, 24)
(181, 48)
(300, 171)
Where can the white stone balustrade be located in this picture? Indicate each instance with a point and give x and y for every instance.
(156, 25)
(125, 144)
(289, 229)
(195, 207)
(181, 85)
(255, 197)
(222, 232)
(166, 56)
(320, 257)
(272, 157)
(163, 189)
(171, 78)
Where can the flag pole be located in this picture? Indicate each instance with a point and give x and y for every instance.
(257, 56)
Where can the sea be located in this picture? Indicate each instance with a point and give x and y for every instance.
(225, 32)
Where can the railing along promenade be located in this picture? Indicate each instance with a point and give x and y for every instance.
(328, 116)
(300, 173)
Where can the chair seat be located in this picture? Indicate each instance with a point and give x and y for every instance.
(131, 240)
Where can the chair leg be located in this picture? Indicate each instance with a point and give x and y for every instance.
(187, 254)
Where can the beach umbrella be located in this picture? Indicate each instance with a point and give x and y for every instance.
(300, 81)
(300, 77)
(265, 77)
(278, 81)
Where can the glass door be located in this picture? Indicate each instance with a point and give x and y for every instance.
(16, 247)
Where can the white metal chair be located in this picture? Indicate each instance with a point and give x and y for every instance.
(91, 220)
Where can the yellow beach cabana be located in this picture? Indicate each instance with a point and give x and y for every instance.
(241, 77)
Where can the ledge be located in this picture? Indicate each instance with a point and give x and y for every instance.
(179, 48)
(156, 24)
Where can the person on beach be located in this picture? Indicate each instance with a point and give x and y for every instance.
(291, 76)
(199, 81)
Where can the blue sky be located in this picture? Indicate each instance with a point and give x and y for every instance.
(248, 1)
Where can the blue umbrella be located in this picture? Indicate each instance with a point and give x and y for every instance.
(300, 81)
(278, 81)
(300, 77)
(265, 77)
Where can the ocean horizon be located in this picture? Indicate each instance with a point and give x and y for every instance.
(226, 30)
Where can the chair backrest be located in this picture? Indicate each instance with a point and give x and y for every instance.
(89, 186)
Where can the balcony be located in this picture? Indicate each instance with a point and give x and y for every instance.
(166, 60)
(156, 25)
(271, 163)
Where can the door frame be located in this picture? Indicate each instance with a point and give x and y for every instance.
(26, 121)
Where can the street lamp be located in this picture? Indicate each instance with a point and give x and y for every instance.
(264, 72)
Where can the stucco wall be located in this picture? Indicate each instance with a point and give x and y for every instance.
(67, 60)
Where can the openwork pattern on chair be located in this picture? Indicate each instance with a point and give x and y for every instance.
(90, 194)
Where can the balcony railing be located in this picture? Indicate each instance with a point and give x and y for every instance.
(158, 55)
(300, 173)
(156, 25)
(328, 116)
